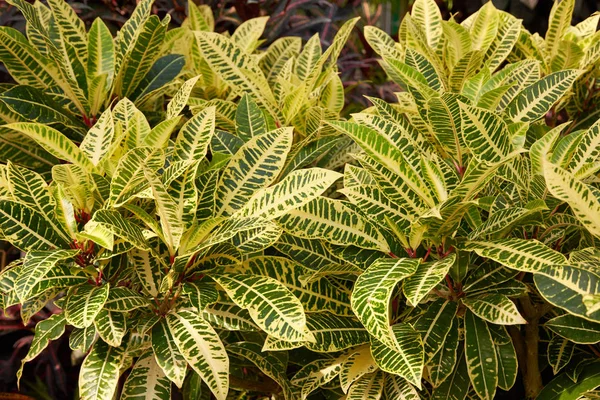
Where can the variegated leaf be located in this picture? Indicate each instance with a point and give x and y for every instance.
(372, 294)
(202, 349)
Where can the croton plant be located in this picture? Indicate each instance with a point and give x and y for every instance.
(206, 224)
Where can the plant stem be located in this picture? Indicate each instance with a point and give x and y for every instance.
(527, 347)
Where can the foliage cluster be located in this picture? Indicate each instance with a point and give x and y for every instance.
(207, 223)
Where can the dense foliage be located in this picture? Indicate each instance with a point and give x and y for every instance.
(205, 222)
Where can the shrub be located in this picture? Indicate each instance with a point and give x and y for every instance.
(212, 248)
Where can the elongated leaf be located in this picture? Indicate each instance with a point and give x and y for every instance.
(318, 295)
(169, 212)
(167, 354)
(97, 142)
(235, 67)
(129, 178)
(54, 142)
(434, 326)
(202, 349)
(267, 362)
(255, 166)
(426, 277)
(45, 331)
(405, 358)
(335, 222)
(559, 353)
(367, 387)
(111, 326)
(36, 266)
(485, 134)
(533, 102)
(563, 388)
(146, 381)
(443, 363)
(519, 254)
(575, 329)
(316, 374)
(372, 294)
(194, 137)
(271, 305)
(495, 308)
(27, 229)
(99, 374)
(356, 365)
(84, 303)
(582, 199)
(295, 190)
(334, 333)
(481, 356)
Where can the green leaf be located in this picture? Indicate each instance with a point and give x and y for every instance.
(202, 349)
(334, 333)
(399, 388)
(481, 356)
(582, 199)
(83, 304)
(97, 142)
(571, 287)
(576, 329)
(335, 222)
(427, 14)
(24, 62)
(255, 166)
(111, 326)
(169, 212)
(267, 362)
(293, 191)
(372, 294)
(425, 278)
(54, 142)
(318, 295)
(180, 99)
(443, 363)
(27, 229)
(194, 137)
(533, 102)
(123, 299)
(36, 106)
(485, 134)
(129, 178)
(563, 388)
(519, 254)
(250, 121)
(36, 266)
(167, 354)
(235, 67)
(559, 353)
(558, 23)
(367, 387)
(100, 372)
(457, 385)
(146, 380)
(316, 374)
(508, 367)
(45, 331)
(247, 35)
(495, 308)
(270, 304)
(359, 363)
(229, 316)
(434, 326)
(122, 228)
(405, 358)
(100, 64)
